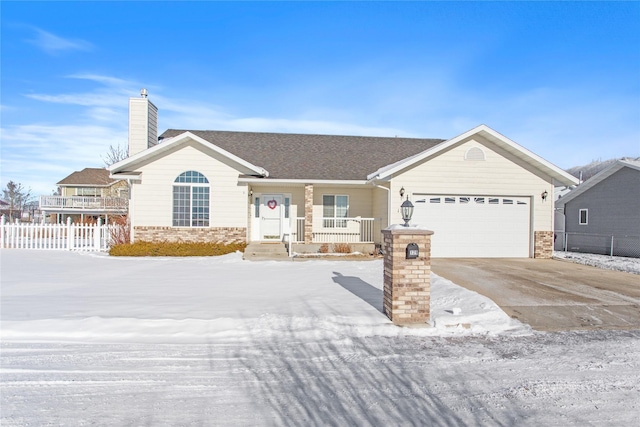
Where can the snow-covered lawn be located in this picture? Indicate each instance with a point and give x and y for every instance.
(91, 339)
(619, 263)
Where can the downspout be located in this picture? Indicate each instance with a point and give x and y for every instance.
(129, 212)
(388, 202)
(564, 219)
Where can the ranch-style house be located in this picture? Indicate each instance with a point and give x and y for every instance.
(481, 193)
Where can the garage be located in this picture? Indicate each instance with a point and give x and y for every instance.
(475, 226)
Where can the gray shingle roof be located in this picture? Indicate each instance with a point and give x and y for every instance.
(300, 156)
(96, 177)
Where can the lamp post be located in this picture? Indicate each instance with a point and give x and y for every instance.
(407, 211)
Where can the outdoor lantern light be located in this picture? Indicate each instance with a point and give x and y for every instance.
(401, 192)
(407, 211)
(544, 195)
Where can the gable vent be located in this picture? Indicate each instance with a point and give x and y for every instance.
(474, 153)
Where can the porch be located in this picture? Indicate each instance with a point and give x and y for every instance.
(310, 217)
(347, 235)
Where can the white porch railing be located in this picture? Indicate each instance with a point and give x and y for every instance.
(297, 230)
(69, 236)
(113, 204)
(338, 230)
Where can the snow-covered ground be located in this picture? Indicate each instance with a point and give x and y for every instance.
(91, 339)
(619, 263)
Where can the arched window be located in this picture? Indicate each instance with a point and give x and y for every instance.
(191, 200)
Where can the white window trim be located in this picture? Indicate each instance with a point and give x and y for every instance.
(97, 192)
(586, 217)
(191, 185)
(335, 218)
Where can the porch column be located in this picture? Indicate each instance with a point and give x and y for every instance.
(308, 213)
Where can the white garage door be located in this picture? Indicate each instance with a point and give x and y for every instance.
(475, 226)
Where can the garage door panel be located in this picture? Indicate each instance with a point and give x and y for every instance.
(475, 226)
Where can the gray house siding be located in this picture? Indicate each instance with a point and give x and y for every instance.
(613, 208)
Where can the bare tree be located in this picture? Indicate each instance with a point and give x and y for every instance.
(115, 154)
(18, 197)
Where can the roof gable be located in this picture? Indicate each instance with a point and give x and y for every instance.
(88, 177)
(179, 139)
(557, 174)
(598, 178)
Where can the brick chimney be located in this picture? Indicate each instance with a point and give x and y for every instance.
(143, 124)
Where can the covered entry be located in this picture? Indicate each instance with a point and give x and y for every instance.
(271, 216)
(475, 226)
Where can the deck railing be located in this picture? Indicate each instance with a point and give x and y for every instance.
(113, 204)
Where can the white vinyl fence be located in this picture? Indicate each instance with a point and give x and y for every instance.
(69, 236)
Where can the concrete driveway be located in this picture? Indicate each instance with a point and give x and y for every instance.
(550, 295)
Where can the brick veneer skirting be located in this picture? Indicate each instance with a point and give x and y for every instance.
(543, 244)
(195, 234)
(407, 282)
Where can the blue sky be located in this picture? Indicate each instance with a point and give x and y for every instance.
(560, 78)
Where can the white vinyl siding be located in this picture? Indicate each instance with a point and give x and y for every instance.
(501, 174)
(152, 200)
(143, 125)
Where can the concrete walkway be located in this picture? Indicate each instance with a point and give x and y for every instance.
(550, 295)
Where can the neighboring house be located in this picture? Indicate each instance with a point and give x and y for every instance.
(87, 194)
(605, 209)
(5, 208)
(481, 193)
(29, 212)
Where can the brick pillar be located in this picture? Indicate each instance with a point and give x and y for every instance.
(407, 282)
(543, 244)
(308, 213)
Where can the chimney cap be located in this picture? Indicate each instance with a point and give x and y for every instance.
(143, 92)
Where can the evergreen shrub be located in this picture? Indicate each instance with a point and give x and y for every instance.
(142, 248)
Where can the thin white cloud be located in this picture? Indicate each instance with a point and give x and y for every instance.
(54, 45)
(41, 155)
(114, 93)
(105, 80)
(262, 124)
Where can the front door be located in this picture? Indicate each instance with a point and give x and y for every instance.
(271, 217)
